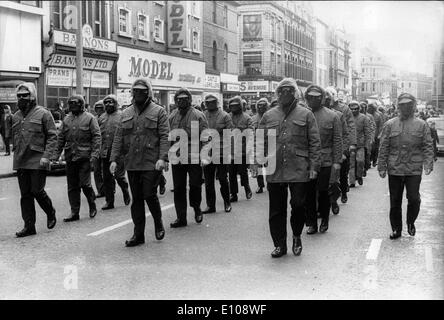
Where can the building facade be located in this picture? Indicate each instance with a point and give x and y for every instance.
(170, 57)
(438, 81)
(419, 85)
(20, 48)
(221, 48)
(322, 53)
(339, 57)
(377, 78)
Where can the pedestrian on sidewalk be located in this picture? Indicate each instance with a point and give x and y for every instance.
(297, 159)
(435, 138)
(262, 106)
(108, 123)
(406, 148)
(6, 128)
(80, 138)
(141, 140)
(34, 142)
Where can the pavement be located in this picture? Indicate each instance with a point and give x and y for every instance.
(227, 256)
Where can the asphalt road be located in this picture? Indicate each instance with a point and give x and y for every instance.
(228, 255)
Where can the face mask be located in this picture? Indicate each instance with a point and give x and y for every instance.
(355, 111)
(100, 111)
(23, 104)
(211, 105)
(183, 103)
(110, 107)
(406, 110)
(261, 108)
(140, 96)
(235, 108)
(75, 108)
(314, 103)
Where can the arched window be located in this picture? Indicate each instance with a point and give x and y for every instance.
(225, 58)
(214, 55)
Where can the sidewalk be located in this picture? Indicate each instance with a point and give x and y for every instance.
(6, 166)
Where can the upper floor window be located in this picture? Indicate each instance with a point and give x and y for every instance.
(214, 12)
(214, 55)
(196, 40)
(225, 58)
(158, 30)
(225, 16)
(160, 3)
(124, 22)
(143, 26)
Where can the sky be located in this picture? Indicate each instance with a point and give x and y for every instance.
(407, 33)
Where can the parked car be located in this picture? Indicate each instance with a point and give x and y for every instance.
(59, 166)
(439, 126)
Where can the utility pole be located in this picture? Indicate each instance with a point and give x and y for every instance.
(79, 50)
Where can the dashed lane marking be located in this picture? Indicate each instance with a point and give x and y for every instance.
(373, 250)
(428, 258)
(121, 224)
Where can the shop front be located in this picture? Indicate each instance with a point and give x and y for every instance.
(167, 74)
(230, 86)
(99, 60)
(212, 85)
(252, 91)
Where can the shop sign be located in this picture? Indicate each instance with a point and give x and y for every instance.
(67, 61)
(86, 78)
(254, 86)
(177, 31)
(212, 82)
(59, 77)
(230, 87)
(69, 39)
(99, 79)
(160, 69)
(227, 78)
(8, 95)
(124, 97)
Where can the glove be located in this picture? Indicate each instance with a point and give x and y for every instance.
(254, 170)
(112, 167)
(382, 173)
(313, 174)
(160, 165)
(204, 162)
(428, 171)
(44, 162)
(337, 166)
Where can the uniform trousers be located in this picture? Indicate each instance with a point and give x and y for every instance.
(143, 185)
(210, 172)
(78, 174)
(356, 164)
(396, 187)
(180, 172)
(278, 194)
(98, 177)
(32, 186)
(317, 198)
(110, 180)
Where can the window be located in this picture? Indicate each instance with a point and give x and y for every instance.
(143, 27)
(124, 22)
(410, 84)
(253, 63)
(160, 3)
(158, 30)
(194, 9)
(214, 55)
(225, 58)
(97, 19)
(196, 41)
(273, 64)
(362, 87)
(373, 87)
(225, 16)
(56, 14)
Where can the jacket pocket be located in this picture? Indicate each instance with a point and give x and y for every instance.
(35, 125)
(298, 128)
(127, 126)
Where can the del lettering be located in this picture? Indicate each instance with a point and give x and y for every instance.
(153, 69)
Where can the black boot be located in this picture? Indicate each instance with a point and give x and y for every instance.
(26, 231)
(248, 193)
(312, 229)
(227, 206)
(324, 226)
(92, 210)
(344, 198)
(209, 210)
(233, 198)
(297, 245)
(134, 241)
(395, 234)
(198, 216)
(72, 217)
(260, 190)
(108, 206)
(335, 208)
(159, 230)
(279, 252)
(51, 220)
(411, 229)
(178, 223)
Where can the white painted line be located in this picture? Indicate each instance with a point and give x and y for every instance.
(121, 224)
(3, 199)
(373, 250)
(429, 258)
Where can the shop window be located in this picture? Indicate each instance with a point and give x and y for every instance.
(143, 27)
(124, 22)
(96, 94)
(253, 63)
(158, 30)
(57, 95)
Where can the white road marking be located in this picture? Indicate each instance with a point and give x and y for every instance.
(373, 250)
(3, 199)
(429, 258)
(121, 224)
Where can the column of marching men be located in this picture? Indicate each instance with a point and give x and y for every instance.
(323, 146)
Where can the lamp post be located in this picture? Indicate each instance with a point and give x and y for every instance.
(79, 50)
